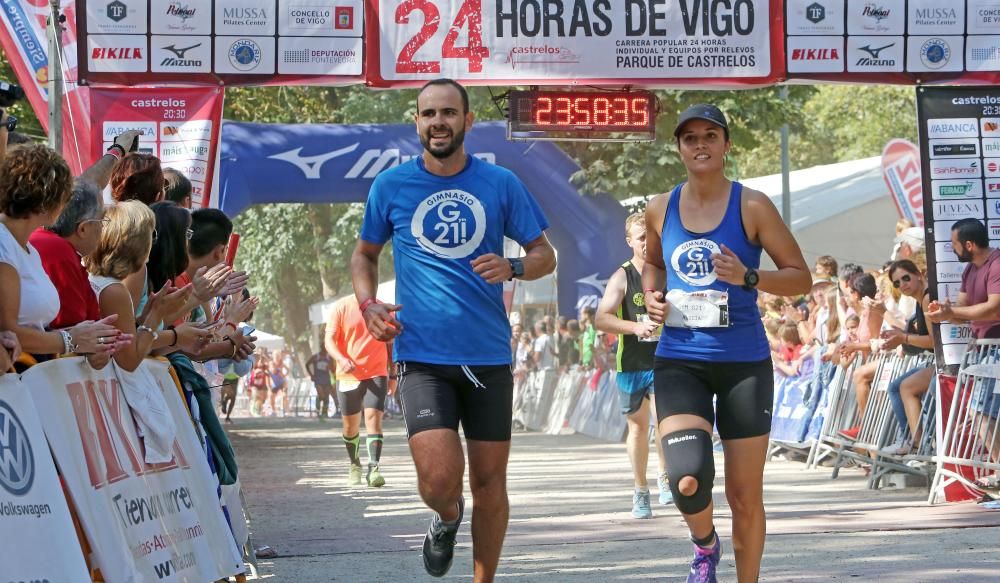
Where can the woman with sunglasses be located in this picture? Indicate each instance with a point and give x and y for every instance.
(906, 391)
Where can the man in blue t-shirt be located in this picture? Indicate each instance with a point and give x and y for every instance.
(447, 214)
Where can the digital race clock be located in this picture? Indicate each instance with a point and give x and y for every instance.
(582, 115)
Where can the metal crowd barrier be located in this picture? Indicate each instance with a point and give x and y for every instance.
(970, 448)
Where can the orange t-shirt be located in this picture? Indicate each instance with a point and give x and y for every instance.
(352, 338)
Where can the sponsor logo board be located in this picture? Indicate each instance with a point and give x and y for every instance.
(965, 127)
(875, 54)
(882, 17)
(942, 229)
(194, 130)
(930, 54)
(950, 271)
(953, 210)
(944, 252)
(990, 126)
(115, 17)
(816, 54)
(245, 17)
(982, 53)
(935, 17)
(244, 55)
(956, 189)
(955, 333)
(320, 56)
(117, 53)
(993, 208)
(815, 17)
(180, 16)
(113, 129)
(183, 151)
(181, 54)
(949, 291)
(320, 18)
(983, 17)
(956, 168)
(992, 188)
(991, 167)
(953, 148)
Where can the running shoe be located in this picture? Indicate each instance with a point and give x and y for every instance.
(354, 478)
(666, 496)
(851, 433)
(439, 543)
(704, 563)
(899, 447)
(374, 477)
(640, 505)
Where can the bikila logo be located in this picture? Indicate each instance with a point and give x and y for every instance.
(692, 261)
(17, 461)
(450, 224)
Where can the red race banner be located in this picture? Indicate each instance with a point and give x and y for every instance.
(736, 43)
(180, 126)
(23, 39)
(901, 171)
(230, 42)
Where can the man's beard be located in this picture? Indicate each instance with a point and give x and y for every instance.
(963, 255)
(443, 152)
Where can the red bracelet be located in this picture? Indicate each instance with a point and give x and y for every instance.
(116, 150)
(367, 304)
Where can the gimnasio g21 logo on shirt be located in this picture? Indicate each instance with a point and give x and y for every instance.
(450, 224)
(692, 261)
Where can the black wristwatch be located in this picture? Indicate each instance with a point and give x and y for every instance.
(516, 268)
(750, 279)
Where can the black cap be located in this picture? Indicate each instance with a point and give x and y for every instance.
(704, 111)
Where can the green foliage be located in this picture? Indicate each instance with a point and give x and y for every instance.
(27, 121)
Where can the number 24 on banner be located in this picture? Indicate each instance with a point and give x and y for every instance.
(470, 15)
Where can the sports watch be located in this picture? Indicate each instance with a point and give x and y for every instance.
(516, 268)
(750, 279)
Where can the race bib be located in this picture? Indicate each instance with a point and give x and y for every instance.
(700, 309)
(655, 336)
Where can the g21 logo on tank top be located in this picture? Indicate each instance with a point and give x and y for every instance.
(449, 224)
(692, 261)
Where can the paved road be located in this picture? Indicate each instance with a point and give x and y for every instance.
(570, 500)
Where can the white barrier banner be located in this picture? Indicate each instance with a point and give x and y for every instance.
(39, 541)
(145, 522)
(562, 39)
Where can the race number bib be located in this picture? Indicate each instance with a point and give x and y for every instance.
(655, 336)
(700, 309)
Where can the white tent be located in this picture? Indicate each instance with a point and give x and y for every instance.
(269, 341)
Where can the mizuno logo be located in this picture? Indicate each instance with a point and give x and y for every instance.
(875, 52)
(311, 166)
(180, 52)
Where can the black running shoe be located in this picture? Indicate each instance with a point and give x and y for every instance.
(439, 543)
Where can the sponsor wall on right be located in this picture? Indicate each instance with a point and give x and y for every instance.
(960, 157)
(912, 39)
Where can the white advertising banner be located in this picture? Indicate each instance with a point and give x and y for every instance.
(570, 40)
(145, 522)
(39, 541)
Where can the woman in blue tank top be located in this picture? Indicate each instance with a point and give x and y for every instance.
(713, 364)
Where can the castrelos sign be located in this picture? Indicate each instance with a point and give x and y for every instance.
(901, 171)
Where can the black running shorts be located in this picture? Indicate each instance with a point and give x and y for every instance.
(370, 394)
(440, 396)
(743, 392)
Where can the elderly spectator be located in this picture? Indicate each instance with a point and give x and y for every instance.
(35, 185)
(61, 246)
(137, 177)
(177, 187)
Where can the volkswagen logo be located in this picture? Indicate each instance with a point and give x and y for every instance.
(17, 461)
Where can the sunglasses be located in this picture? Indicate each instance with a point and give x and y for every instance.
(898, 282)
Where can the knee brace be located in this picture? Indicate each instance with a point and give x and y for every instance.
(689, 453)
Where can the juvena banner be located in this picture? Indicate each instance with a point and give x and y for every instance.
(39, 540)
(704, 42)
(960, 157)
(144, 522)
(179, 125)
